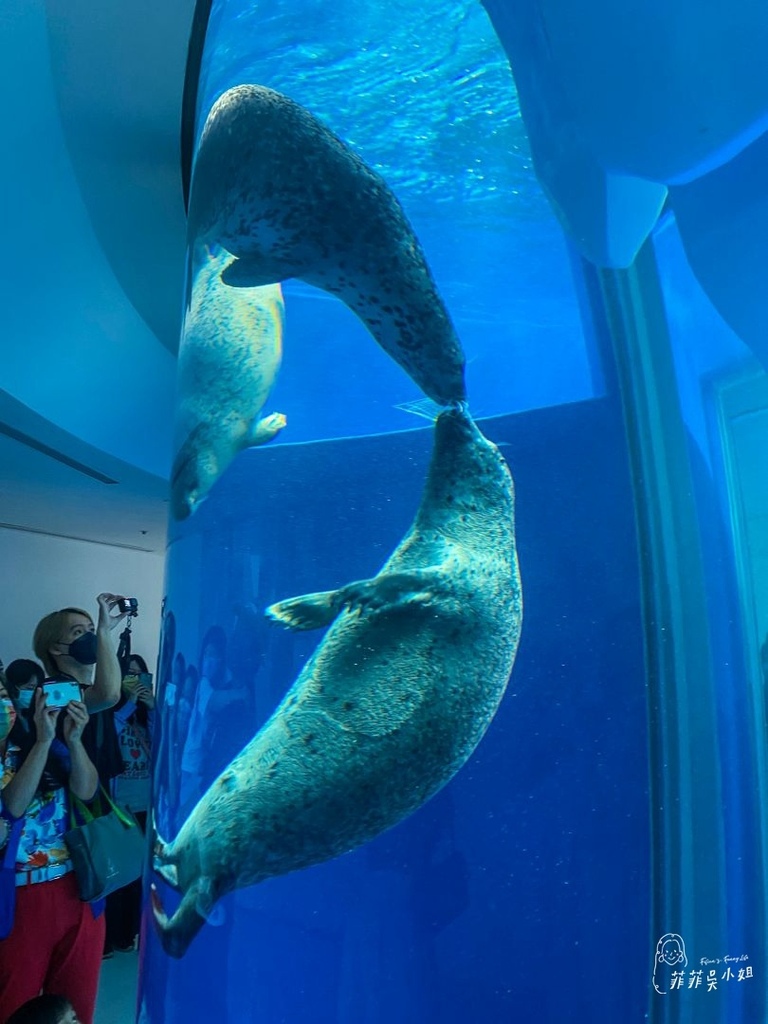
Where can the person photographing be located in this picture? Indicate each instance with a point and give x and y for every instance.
(70, 645)
(53, 940)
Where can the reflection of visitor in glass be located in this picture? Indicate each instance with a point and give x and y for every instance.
(176, 736)
(213, 668)
(247, 656)
(166, 756)
(228, 710)
(178, 676)
(186, 700)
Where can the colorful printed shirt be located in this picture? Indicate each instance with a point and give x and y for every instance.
(45, 822)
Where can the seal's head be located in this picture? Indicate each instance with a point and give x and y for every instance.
(467, 473)
(195, 471)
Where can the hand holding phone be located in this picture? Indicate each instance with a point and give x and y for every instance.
(145, 695)
(45, 718)
(75, 721)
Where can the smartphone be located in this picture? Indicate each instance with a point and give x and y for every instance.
(58, 695)
(134, 682)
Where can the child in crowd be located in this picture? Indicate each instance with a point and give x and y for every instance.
(24, 674)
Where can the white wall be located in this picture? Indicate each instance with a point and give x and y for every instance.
(41, 573)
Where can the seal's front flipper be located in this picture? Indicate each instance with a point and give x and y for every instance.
(162, 861)
(264, 430)
(310, 611)
(388, 590)
(177, 932)
(392, 589)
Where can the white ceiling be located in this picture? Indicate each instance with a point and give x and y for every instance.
(51, 482)
(118, 71)
(96, 194)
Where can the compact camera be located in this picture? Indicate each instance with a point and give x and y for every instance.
(58, 695)
(129, 604)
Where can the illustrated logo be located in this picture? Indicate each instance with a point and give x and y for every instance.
(670, 953)
(670, 961)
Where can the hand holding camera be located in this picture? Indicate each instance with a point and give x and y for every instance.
(129, 605)
(109, 603)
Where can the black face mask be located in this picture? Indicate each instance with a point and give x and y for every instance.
(83, 650)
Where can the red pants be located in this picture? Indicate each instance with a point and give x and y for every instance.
(55, 946)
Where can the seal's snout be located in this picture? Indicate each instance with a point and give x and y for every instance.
(184, 483)
(456, 430)
(454, 419)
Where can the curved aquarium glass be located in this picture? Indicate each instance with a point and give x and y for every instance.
(462, 711)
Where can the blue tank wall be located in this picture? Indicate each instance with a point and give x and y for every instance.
(708, 353)
(489, 903)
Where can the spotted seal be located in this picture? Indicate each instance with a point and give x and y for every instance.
(280, 191)
(392, 703)
(229, 357)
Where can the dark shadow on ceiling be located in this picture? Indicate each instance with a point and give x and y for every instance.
(191, 88)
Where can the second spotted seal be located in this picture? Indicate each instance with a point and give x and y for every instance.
(394, 700)
(229, 357)
(275, 187)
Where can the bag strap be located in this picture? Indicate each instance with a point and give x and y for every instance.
(84, 815)
(88, 815)
(126, 820)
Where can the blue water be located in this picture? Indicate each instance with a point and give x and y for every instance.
(518, 868)
(434, 110)
(525, 889)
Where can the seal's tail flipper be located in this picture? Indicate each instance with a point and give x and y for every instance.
(177, 932)
(310, 611)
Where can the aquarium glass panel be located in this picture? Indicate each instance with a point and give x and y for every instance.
(413, 834)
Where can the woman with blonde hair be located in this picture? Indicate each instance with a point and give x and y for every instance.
(51, 940)
(68, 643)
